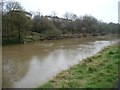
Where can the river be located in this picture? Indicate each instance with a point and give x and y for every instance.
(32, 64)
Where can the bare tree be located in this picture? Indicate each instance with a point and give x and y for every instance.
(74, 17)
(2, 6)
(13, 6)
(15, 22)
(53, 13)
(66, 15)
(38, 13)
(69, 15)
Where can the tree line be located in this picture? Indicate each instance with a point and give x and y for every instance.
(17, 27)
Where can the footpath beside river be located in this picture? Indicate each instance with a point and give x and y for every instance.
(99, 71)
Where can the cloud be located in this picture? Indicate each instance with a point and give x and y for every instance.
(101, 9)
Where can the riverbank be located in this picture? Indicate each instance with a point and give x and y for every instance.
(35, 37)
(99, 71)
(32, 36)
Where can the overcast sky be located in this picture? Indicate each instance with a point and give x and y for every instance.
(105, 10)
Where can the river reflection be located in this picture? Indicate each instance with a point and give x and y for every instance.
(30, 65)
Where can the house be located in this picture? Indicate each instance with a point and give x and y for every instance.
(28, 14)
(54, 18)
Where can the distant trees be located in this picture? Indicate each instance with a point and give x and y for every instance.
(113, 28)
(16, 25)
(44, 26)
(91, 25)
(53, 13)
(53, 26)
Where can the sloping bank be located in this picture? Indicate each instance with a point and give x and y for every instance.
(99, 71)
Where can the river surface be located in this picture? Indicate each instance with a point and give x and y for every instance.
(30, 65)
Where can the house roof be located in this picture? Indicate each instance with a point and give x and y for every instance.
(55, 17)
(22, 12)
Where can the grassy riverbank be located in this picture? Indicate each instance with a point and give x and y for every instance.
(99, 71)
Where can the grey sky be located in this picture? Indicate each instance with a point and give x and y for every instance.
(119, 13)
(105, 10)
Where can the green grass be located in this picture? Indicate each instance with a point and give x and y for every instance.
(99, 71)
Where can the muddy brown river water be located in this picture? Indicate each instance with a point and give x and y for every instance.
(30, 65)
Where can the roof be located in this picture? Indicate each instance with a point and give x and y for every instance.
(22, 11)
(53, 17)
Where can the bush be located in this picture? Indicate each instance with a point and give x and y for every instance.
(55, 33)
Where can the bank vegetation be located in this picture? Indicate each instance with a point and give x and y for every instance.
(20, 26)
(99, 71)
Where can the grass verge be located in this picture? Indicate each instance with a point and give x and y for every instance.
(99, 71)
